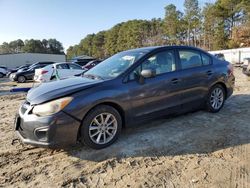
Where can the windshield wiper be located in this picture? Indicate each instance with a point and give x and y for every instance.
(92, 76)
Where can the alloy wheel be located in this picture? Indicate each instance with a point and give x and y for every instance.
(217, 98)
(21, 79)
(103, 128)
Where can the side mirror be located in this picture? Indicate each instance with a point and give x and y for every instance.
(148, 73)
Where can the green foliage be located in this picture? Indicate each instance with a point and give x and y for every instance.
(123, 36)
(111, 40)
(210, 28)
(192, 18)
(173, 24)
(12, 47)
(51, 46)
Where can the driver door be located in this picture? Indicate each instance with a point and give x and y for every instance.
(158, 95)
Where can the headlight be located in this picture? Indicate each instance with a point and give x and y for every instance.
(51, 107)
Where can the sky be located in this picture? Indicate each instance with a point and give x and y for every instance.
(69, 21)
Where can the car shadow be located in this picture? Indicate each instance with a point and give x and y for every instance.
(194, 133)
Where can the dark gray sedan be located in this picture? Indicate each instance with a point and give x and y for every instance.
(126, 89)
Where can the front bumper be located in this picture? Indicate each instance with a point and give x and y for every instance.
(56, 131)
(13, 77)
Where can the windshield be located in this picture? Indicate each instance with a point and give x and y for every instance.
(115, 65)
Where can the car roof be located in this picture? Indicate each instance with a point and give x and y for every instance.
(59, 63)
(152, 48)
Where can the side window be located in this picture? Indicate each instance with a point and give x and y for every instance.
(190, 59)
(72, 66)
(135, 73)
(206, 60)
(162, 62)
(62, 66)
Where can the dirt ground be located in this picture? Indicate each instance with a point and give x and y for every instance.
(194, 150)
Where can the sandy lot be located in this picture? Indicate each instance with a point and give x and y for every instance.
(193, 150)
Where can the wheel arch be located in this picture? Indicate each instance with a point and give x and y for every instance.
(108, 103)
(223, 85)
(23, 76)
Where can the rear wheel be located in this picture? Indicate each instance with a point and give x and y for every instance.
(1, 75)
(21, 79)
(216, 98)
(101, 127)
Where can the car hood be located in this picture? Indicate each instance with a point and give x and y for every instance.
(52, 90)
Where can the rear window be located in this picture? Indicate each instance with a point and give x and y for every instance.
(206, 60)
(190, 59)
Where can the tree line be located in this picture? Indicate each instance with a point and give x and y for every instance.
(220, 25)
(50, 46)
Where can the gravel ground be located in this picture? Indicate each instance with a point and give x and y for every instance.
(194, 150)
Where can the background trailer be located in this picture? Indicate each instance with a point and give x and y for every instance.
(234, 55)
(15, 60)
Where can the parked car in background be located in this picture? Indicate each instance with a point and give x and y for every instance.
(125, 89)
(220, 56)
(28, 74)
(246, 66)
(3, 71)
(57, 71)
(91, 64)
(82, 60)
(21, 68)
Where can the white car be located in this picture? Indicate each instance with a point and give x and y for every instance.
(57, 71)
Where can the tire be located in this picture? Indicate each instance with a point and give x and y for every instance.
(21, 79)
(216, 98)
(1, 75)
(93, 135)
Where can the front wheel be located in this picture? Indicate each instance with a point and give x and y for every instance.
(101, 127)
(21, 79)
(216, 98)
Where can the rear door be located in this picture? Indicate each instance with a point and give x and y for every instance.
(195, 74)
(158, 95)
(62, 71)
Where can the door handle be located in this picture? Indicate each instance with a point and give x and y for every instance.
(175, 81)
(209, 73)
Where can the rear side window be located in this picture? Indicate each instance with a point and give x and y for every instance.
(190, 59)
(62, 66)
(206, 60)
(72, 66)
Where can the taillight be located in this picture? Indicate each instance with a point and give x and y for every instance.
(230, 69)
(44, 72)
